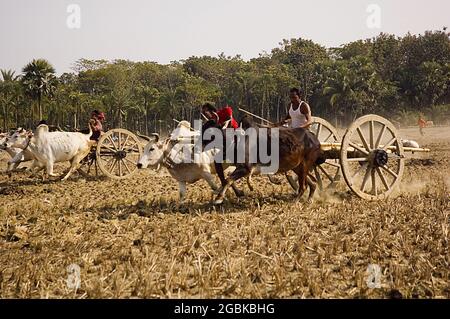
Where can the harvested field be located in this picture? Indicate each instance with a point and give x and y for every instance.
(131, 238)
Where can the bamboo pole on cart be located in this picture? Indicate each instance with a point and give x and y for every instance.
(255, 116)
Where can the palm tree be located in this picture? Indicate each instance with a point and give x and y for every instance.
(147, 96)
(39, 80)
(338, 89)
(77, 99)
(8, 88)
(9, 75)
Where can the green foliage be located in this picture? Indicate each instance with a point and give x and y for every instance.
(39, 80)
(10, 90)
(392, 76)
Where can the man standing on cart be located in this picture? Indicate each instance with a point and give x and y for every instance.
(299, 114)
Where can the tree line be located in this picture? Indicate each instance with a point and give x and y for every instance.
(396, 77)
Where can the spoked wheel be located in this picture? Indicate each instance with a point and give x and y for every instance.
(89, 166)
(327, 174)
(372, 157)
(118, 152)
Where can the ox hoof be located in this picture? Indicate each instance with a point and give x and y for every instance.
(298, 199)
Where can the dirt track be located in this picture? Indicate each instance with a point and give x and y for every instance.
(131, 238)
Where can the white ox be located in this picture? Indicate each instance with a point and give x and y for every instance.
(176, 154)
(169, 154)
(17, 154)
(49, 148)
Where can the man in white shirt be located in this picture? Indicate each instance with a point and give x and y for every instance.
(299, 111)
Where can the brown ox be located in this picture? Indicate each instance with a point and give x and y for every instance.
(299, 151)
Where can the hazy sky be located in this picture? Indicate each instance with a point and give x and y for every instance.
(168, 30)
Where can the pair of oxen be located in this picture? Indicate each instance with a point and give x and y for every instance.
(293, 149)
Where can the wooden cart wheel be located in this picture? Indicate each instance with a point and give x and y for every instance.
(372, 157)
(327, 174)
(118, 152)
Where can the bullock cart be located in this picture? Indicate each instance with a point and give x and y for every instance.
(370, 156)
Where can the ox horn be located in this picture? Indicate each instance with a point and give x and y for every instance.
(156, 135)
(145, 137)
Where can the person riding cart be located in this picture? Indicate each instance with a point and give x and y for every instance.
(97, 118)
(299, 114)
(95, 123)
(223, 116)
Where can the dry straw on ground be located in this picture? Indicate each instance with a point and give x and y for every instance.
(131, 239)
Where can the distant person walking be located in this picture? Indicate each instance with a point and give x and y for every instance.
(422, 123)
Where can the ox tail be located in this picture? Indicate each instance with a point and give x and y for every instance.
(89, 134)
(321, 158)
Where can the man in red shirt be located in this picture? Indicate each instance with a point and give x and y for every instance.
(422, 123)
(223, 117)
